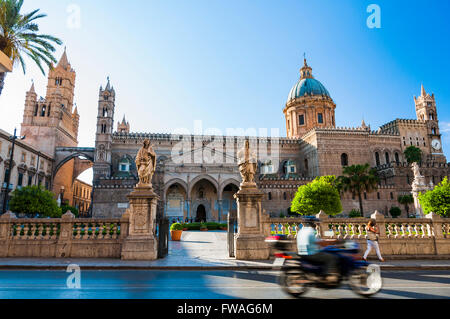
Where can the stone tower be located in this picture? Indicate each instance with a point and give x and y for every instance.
(104, 139)
(426, 111)
(53, 122)
(309, 105)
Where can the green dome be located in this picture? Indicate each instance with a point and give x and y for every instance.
(308, 86)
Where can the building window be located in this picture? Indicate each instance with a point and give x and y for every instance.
(30, 180)
(320, 118)
(20, 180)
(387, 158)
(433, 131)
(397, 158)
(270, 196)
(284, 196)
(377, 158)
(344, 159)
(306, 165)
(44, 108)
(301, 119)
(378, 195)
(365, 195)
(392, 195)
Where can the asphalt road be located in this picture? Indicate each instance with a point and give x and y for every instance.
(145, 284)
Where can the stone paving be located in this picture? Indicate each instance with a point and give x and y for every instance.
(197, 250)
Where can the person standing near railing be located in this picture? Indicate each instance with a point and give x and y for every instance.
(372, 240)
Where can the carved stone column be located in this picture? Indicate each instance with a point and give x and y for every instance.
(141, 243)
(249, 241)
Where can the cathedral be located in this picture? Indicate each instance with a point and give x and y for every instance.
(197, 175)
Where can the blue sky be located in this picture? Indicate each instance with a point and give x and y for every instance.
(231, 64)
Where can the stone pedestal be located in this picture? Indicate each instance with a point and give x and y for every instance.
(141, 243)
(249, 241)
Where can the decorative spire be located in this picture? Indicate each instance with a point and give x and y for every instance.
(422, 91)
(108, 86)
(306, 70)
(64, 61)
(32, 90)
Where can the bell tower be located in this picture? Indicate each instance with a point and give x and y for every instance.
(426, 111)
(51, 122)
(103, 139)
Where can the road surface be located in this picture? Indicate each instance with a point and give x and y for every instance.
(151, 284)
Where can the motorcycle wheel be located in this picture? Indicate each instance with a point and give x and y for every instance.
(293, 282)
(366, 281)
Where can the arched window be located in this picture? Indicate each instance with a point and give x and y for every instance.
(388, 160)
(270, 196)
(397, 158)
(344, 159)
(433, 131)
(306, 165)
(44, 108)
(105, 112)
(431, 116)
(377, 158)
(320, 118)
(284, 196)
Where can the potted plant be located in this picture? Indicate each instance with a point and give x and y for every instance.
(203, 227)
(185, 227)
(176, 230)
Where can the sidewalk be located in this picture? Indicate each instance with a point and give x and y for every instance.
(198, 251)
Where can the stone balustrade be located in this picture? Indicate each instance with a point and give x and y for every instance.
(398, 236)
(62, 237)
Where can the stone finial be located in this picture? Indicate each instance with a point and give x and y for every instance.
(68, 215)
(377, 215)
(321, 215)
(8, 215)
(433, 216)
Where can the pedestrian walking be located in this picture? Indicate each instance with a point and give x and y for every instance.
(372, 239)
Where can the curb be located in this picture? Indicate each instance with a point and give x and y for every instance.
(198, 268)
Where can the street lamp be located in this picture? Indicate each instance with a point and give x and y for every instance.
(8, 176)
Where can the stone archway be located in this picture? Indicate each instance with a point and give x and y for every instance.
(204, 191)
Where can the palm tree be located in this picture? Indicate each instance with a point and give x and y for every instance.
(406, 200)
(19, 37)
(358, 179)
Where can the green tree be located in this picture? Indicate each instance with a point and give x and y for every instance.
(320, 194)
(19, 37)
(437, 200)
(358, 179)
(406, 200)
(34, 201)
(413, 154)
(395, 211)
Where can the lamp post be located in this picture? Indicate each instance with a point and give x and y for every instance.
(8, 176)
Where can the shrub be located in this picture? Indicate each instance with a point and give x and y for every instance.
(320, 194)
(34, 201)
(395, 211)
(354, 213)
(176, 226)
(203, 226)
(73, 210)
(437, 200)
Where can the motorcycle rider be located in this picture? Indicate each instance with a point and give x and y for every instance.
(309, 249)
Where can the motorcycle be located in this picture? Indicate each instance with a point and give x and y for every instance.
(298, 274)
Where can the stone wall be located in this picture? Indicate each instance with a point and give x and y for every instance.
(66, 237)
(404, 237)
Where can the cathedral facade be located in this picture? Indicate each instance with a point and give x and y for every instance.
(197, 175)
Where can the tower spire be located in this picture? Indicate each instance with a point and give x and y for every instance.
(422, 91)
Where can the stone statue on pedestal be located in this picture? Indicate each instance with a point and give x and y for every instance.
(419, 185)
(247, 164)
(146, 164)
(140, 243)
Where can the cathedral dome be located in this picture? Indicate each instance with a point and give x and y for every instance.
(308, 86)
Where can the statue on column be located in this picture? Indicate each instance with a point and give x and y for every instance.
(419, 179)
(247, 164)
(146, 164)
